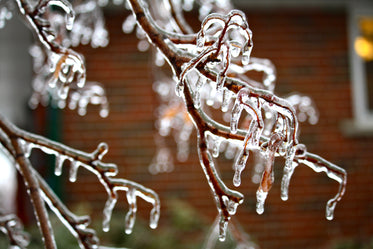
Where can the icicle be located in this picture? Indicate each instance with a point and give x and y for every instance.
(60, 159)
(131, 215)
(227, 95)
(154, 217)
(223, 226)
(260, 198)
(239, 166)
(236, 113)
(197, 96)
(220, 80)
(216, 147)
(108, 210)
(74, 166)
(235, 48)
(290, 165)
(246, 54)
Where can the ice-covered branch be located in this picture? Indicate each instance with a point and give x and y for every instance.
(217, 56)
(19, 144)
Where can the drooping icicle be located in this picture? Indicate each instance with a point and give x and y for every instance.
(235, 48)
(251, 141)
(74, 166)
(246, 54)
(260, 199)
(60, 159)
(226, 100)
(154, 217)
(223, 226)
(290, 165)
(216, 147)
(236, 114)
(108, 210)
(131, 215)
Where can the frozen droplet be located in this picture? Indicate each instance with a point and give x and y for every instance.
(179, 89)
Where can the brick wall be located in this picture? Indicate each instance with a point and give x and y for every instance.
(309, 49)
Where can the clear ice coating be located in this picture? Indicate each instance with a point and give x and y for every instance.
(91, 162)
(212, 65)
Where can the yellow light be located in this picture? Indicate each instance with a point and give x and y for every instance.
(364, 48)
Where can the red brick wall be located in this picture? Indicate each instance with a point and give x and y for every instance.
(309, 49)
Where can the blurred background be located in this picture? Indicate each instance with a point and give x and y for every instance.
(323, 49)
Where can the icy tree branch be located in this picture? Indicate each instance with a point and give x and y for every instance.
(210, 70)
(216, 55)
(19, 144)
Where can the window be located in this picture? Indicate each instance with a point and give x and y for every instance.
(361, 55)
